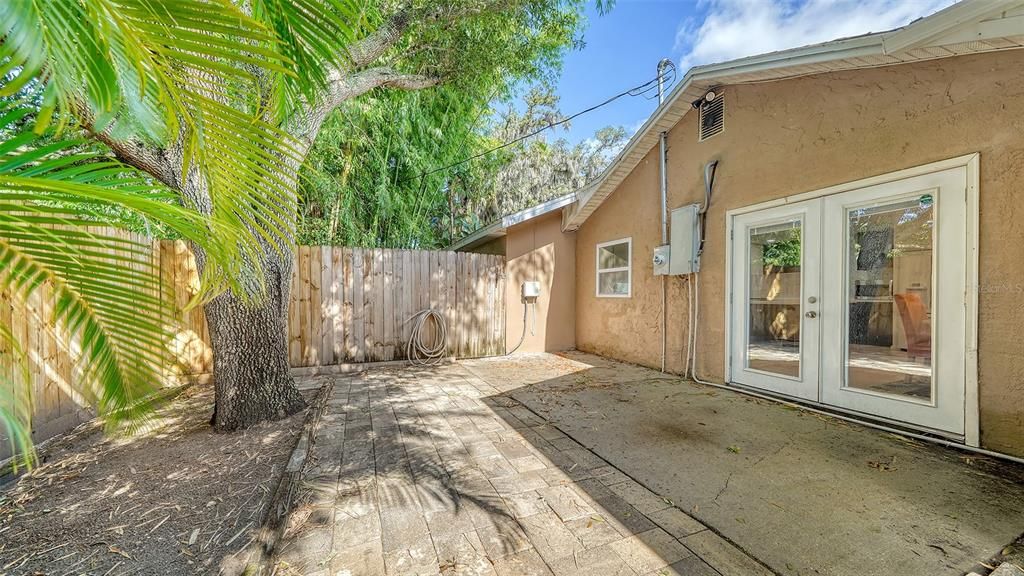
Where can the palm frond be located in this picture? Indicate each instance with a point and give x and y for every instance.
(15, 399)
(312, 35)
(187, 75)
(106, 286)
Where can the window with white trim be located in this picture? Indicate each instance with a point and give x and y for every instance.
(614, 268)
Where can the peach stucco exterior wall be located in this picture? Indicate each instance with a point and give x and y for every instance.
(539, 250)
(804, 134)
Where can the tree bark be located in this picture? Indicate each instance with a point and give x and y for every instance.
(252, 377)
(249, 340)
(252, 374)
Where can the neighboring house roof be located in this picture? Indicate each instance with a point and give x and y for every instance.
(968, 27)
(498, 228)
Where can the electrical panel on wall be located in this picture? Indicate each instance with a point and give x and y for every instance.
(684, 240)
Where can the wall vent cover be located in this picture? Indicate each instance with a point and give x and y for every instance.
(712, 117)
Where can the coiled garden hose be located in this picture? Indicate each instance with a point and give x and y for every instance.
(417, 350)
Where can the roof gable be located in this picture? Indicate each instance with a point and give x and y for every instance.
(970, 26)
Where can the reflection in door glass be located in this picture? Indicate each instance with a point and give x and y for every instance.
(889, 285)
(773, 342)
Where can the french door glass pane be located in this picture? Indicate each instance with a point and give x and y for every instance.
(889, 284)
(773, 331)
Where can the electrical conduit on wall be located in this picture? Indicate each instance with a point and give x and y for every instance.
(663, 65)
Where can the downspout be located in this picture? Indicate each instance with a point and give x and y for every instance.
(663, 162)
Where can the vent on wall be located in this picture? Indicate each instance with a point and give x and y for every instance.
(712, 115)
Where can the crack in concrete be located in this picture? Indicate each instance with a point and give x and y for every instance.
(724, 487)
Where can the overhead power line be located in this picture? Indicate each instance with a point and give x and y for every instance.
(639, 90)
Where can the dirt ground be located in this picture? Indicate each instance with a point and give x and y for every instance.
(174, 498)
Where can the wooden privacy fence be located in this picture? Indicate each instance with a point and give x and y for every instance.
(53, 367)
(353, 305)
(347, 305)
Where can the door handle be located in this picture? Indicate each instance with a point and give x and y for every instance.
(811, 314)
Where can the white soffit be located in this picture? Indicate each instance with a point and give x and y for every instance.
(498, 228)
(968, 27)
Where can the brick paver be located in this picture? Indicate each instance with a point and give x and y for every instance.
(434, 471)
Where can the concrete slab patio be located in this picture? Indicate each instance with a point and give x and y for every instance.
(542, 464)
(803, 493)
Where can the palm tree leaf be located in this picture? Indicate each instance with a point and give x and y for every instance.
(313, 35)
(194, 72)
(16, 400)
(106, 285)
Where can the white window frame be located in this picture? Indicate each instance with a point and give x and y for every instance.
(628, 268)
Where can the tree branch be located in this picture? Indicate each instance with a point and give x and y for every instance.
(369, 49)
(355, 78)
(342, 87)
(151, 160)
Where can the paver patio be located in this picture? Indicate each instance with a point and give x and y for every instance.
(431, 471)
(478, 468)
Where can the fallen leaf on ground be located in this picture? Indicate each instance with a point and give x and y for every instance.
(118, 550)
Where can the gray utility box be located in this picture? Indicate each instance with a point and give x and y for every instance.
(684, 238)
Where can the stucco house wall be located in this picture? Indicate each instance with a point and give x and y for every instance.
(538, 250)
(792, 136)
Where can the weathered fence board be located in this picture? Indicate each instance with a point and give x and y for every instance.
(355, 304)
(347, 305)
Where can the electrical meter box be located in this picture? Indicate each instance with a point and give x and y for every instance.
(661, 259)
(684, 240)
(531, 290)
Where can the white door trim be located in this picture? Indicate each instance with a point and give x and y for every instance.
(971, 163)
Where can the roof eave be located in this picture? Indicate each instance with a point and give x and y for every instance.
(498, 228)
(492, 231)
(914, 35)
(853, 47)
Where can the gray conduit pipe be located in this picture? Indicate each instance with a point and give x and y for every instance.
(663, 65)
(664, 240)
(522, 338)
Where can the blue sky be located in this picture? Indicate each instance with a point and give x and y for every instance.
(623, 47)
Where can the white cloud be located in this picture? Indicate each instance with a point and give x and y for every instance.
(635, 127)
(736, 28)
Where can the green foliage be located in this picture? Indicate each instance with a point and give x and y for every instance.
(182, 77)
(107, 289)
(541, 167)
(783, 252)
(495, 48)
(362, 185)
(217, 86)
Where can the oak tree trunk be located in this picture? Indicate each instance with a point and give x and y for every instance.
(252, 375)
(249, 340)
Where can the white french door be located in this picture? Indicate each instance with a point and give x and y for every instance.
(775, 299)
(858, 300)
